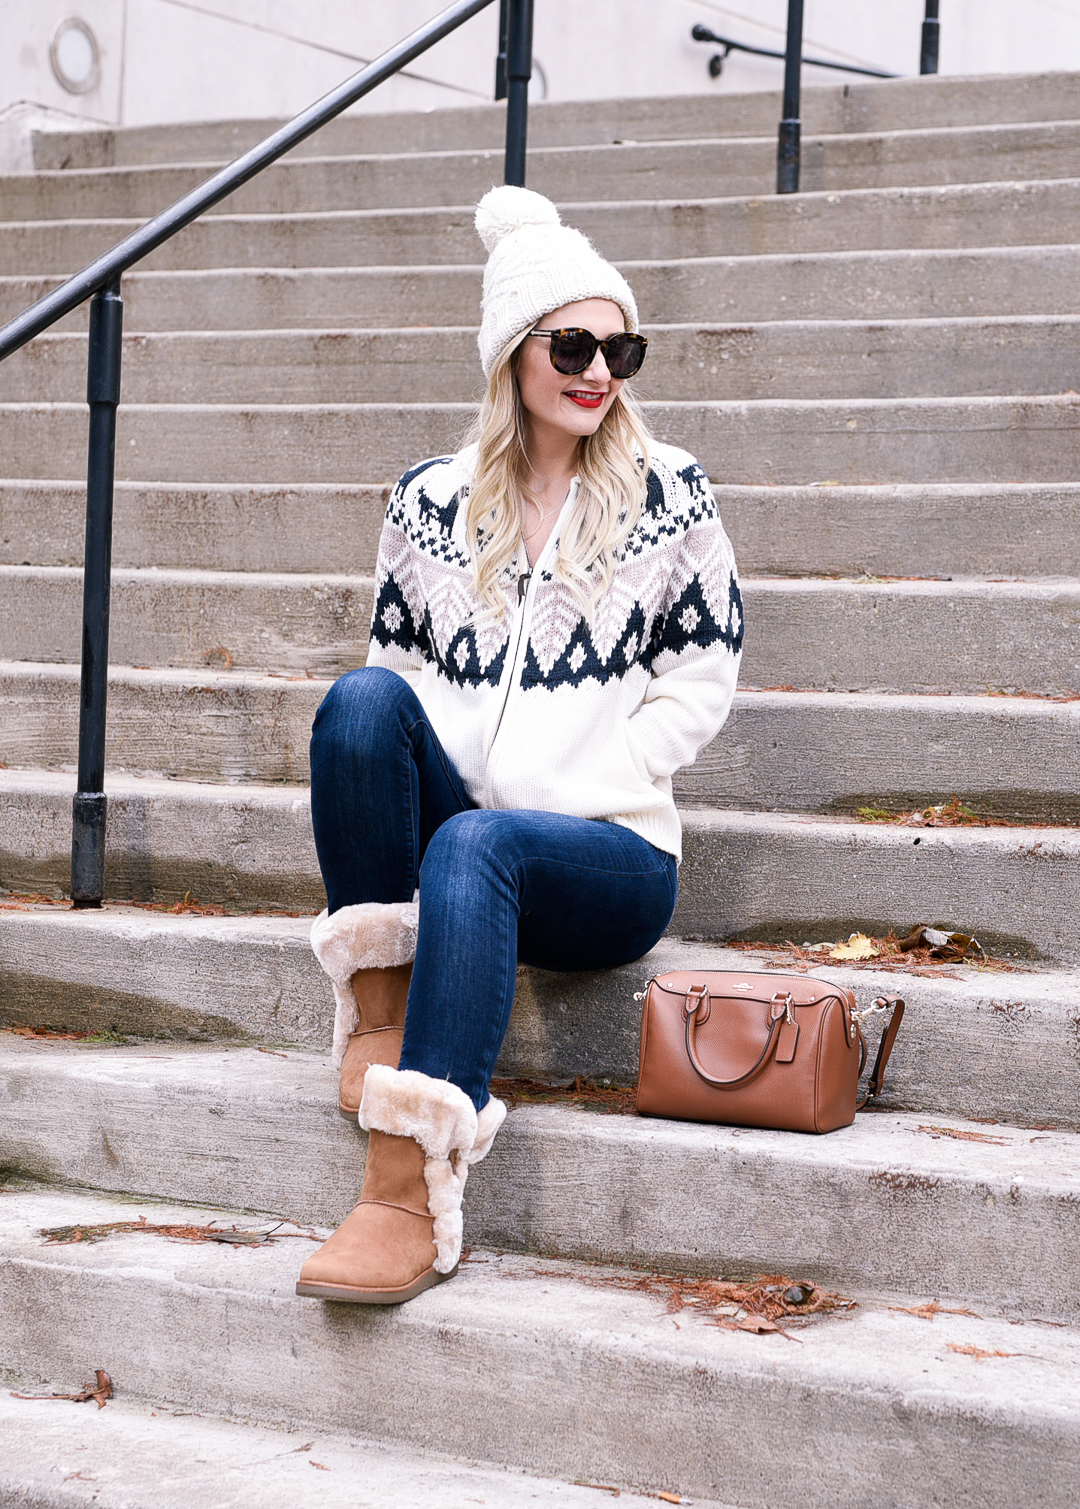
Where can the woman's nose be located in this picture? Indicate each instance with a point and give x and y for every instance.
(597, 370)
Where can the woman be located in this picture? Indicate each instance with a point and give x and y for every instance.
(563, 599)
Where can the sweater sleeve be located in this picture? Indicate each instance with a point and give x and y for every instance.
(695, 648)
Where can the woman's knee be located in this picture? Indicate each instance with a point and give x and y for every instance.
(466, 845)
(361, 704)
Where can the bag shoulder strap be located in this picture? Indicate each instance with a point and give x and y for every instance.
(885, 1047)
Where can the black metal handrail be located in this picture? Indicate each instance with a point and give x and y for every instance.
(788, 149)
(703, 34)
(100, 283)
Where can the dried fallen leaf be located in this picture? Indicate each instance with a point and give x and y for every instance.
(101, 1391)
(858, 946)
(963, 1136)
(927, 1312)
(977, 1352)
(758, 1324)
(320, 1465)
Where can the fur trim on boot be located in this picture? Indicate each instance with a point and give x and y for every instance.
(443, 1120)
(372, 935)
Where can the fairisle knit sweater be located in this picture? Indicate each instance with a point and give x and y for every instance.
(539, 708)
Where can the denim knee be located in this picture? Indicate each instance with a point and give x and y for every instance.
(361, 702)
(463, 846)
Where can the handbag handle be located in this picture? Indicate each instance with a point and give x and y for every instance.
(885, 1047)
(699, 995)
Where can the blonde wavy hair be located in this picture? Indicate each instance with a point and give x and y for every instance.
(612, 466)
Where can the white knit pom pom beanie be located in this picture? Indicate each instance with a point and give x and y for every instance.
(536, 264)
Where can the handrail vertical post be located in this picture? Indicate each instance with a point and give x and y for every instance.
(103, 396)
(500, 60)
(518, 74)
(931, 35)
(788, 144)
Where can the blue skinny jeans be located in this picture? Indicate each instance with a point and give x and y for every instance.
(391, 814)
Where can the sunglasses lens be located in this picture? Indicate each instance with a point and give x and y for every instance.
(572, 351)
(625, 354)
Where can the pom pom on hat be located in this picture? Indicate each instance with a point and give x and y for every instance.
(507, 209)
(536, 264)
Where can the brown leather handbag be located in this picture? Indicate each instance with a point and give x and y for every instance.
(757, 1049)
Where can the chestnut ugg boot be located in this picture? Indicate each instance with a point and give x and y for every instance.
(367, 950)
(405, 1234)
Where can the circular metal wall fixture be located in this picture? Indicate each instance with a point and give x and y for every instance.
(75, 56)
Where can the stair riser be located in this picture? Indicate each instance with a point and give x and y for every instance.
(936, 440)
(995, 530)
(574, 1393)
(902, 637)
(712, 169)
(1035, 213)
(207, 728)
(843, 286)
(762, 878)
(812, 360)
(825, 108)
(315, 627)
(881, 1212)
(778, 751)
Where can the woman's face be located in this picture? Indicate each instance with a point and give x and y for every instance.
(575, 405)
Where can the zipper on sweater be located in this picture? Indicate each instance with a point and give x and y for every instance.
(524, 586)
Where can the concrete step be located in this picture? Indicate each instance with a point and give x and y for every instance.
(977, 1042)
(903, 636)
(1025, 213)
(784, 441)
(794, 751)
(853, 106)
(978, 529)
(709, 166)
(804, 359)
(745, 875)
(544, 1367)
(133, 1455)
(876, 1205)
(991, 283)
(774, 876)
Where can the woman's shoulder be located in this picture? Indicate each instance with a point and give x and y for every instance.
(438, 477)
(678, 494)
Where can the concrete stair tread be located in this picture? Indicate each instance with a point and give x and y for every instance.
(911, 156)
(949, 357)
(861, 104)
(1006, 756)
(614, 1385)
(132, 1456)
(922, 636)
(879, 1204)
(825, 285)
(793, 441)
(978, 1042)
(981, 530)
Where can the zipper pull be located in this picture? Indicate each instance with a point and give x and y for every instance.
(523, 585)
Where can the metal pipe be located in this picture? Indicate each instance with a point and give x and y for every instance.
(788, 144)
(931, 36)
(76, 290)
(518, 74)
(500, 59)
(701, 33)
(103, 396)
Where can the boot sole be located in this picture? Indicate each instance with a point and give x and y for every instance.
(348, 1295)
(347, 1115)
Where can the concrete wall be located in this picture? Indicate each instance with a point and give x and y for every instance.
(170, 60)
